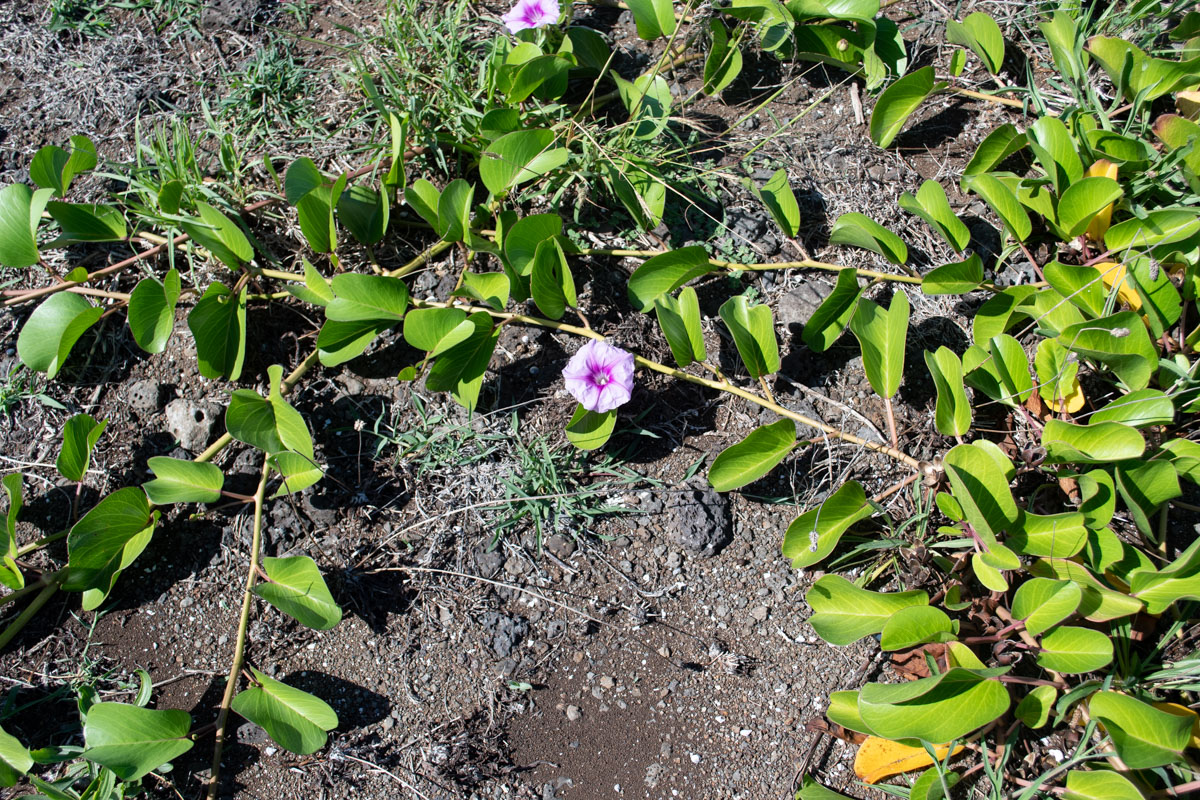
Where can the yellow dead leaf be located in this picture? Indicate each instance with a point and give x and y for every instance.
(1072, 402)
(1113, 274)
(1183, 711)
(881, 758)
(1099, 224)
(1188, 104)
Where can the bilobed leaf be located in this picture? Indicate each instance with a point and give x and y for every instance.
(844, 613)
(1035, 707)
(315, 289)
(296, 720)
(522, 239)
(1083, 200)
(1059, 535)
(180, 481)
(436, 330)
(937, 709)
(1163, 226)
(364, 211)
(665, 273)
(1118, 341)
(298, 471)
(295, 586)
(1144, 737)
(590, 430)
(753, 457)
(54, 168)
(219, 235)
(1178, 580)
(87, 222)
(882, 336)
(648, 100)
(995, 147)
(1011, 367)
(1098, 443)
(860, 231)
(550, 281)
(931, 205)
(811, 790)
(980, 33)
(423, 197)
(490, 288)
(753, 331)
(105, 541)
(1055, 152)
(454, 210)
(1138, 75)
(776, 194)
(80, 434)
(1145, 487)
(152, 311)
(981, 488)
(679, 319)
(654, 18)
(1003, 202)
(916, 625)
(338, 342)
(359, 297)
(1057, 374)
(132, 741)
(897, 103)
(830, 319)
(518, 157)
(1073, 650)
(813, 535)
(301, 178)
(218, 324)
(724, 63)
(958, 277)
(52, 329)
(952, 413)
(20, 212)
(1099, 603)
(460, 369)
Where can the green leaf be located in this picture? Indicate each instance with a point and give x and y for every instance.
(1072, 650)
(338, 342)
(1100, 784)
(87, 222)
(1051, 535)
(1143, 736)
(654, 18)
(53, 168)
(929, 785)
(931, 205)
(958, 277)
(20, 212)
(315, 289)
(218, 324)
(551, 282)
(314, 212)
(813, 535)
(642, 195)
(861, 231)
(365, 213)
(1062, 35)
(723, 64)
(1035, 707)
(219, 235)
(15, 760)
(436, 330)
(1145, 487)
(753, 331)
(454, 211)
(1178, 580)
(1138, 76)
(52, 329)
(522, 240)
(1099, 603)
(152, 311)
(916, 625)
(843, 710)
(937, 709)
(1003, 202)
(952, 413)
(543, 77)
(299, 471)
(1055, 152)
(980, 33)
(1010, 365)
(1185, 455)
(518, 157)
(296, 588)
(776, 194)
(589, 430)
(648, 100)
(897, 103)
(753, 457)
(844, 613)
(490, 288)
(997, 313)
(360, 298)
(1119, 341)
(80, 434)
(995, 147)
(460, 369)
(811, 790)
(882, 336)
(1083, 200)
(830, 319)
(302, 178)
(1164, 226)
(270, 424)
(981, 488)
(107, 540)
(423, 197)
(680, 323)
(1056, 374)
(296, 720)
(132, 741)
(1100, 443)
(180, 481)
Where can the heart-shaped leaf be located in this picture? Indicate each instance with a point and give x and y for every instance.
(52, 329)
(861, 231)
(132, 741)
(80, 434)
(1072, 650)
(218, 324)
(1144, 737)
(753, 331)
(180, 481)
(898, 102)
(152, 311)
(295, 586)
(753, 457)
(844, 613)
(813, 535)
(882, 336)
(105, 541)
(937, 709)
(296, 720)
(980, 33)
(590, 430)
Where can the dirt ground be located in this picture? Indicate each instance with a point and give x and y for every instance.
(659, 651)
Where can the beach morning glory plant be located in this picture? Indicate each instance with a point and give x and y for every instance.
(527, 14)
(600, 376)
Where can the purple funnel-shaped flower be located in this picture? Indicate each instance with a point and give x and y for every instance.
(531, 14)
(600, 376)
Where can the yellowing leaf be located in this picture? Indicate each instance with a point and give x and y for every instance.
(880, 758)
(1113, 274)
(1072, 402)
(1099, 224)
(1183, 711)
(1188, 104)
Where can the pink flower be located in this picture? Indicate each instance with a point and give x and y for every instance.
(600, 376)
(531, 14)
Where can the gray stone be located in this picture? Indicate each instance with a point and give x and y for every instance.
(192, 423)
(561, 546)
(143, 396)
(698, 519)
(797, 306)
(503, 633)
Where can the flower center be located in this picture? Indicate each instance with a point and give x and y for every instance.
(601, 377)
